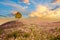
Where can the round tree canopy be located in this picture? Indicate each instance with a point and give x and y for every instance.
(18, 15)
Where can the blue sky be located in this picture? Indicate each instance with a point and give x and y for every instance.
(23, 6)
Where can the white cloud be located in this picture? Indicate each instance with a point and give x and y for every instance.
(26, 1)
(33, 2)
(16, 6)
(57, 0)
(45, 12)
(40, 11)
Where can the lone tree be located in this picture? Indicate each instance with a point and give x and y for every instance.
(18, 15)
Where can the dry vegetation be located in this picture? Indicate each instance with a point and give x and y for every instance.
(20, 31)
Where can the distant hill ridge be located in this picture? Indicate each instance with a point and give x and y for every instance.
(11, 24)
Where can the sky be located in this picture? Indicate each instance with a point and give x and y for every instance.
(30, 8)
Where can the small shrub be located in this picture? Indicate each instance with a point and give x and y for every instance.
(58, 29)
(57, 38)
(26, 35)
(1, 31)
(13, 35)
(54, 38)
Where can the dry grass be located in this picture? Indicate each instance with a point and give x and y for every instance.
(32, 31)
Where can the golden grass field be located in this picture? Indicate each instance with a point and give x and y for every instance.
(29, 29)
(3, 20)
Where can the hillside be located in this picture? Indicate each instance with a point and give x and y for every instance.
(29, 29)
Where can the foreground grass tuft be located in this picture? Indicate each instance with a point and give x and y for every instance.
(33, 32)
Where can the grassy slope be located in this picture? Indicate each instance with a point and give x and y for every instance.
(29, 20)
(33, 31)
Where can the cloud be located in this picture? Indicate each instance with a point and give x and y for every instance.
(13, 12)
(56, 1)
(26, 1)
(41, 8)
(16, 6)
(54, 14)
(56, 4)
(39, 12)
(45, 12)
(33, 2)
